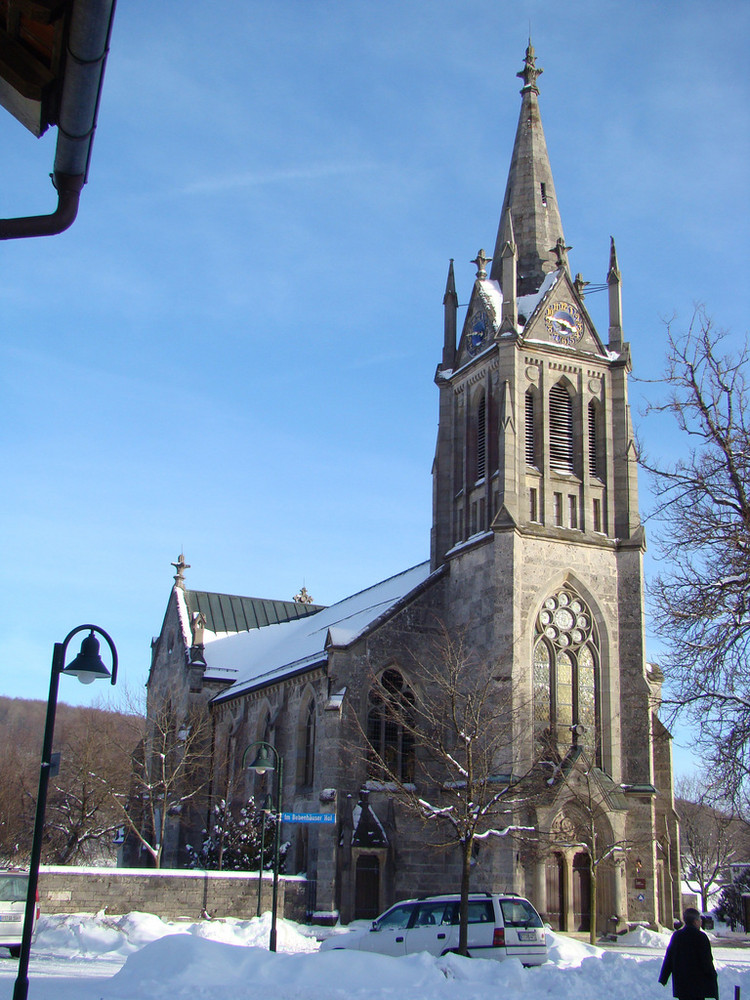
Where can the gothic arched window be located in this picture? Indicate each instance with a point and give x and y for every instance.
(566, 674)
(390, 713)
(309, 760)
(560, 429)
(306, 744)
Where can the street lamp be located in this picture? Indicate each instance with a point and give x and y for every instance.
(266, 809)
(87, 667)
(268, 758)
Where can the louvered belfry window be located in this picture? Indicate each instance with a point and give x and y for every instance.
(481, 438)
(593, 464)
(530, 449)
(560, 429)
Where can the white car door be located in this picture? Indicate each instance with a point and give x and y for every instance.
(388, 933)
(431, 929)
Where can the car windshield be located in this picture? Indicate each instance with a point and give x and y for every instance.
(519, 913)
(13, 888)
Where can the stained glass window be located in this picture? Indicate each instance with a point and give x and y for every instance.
(565, 677)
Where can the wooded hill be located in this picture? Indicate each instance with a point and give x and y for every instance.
(95, 747)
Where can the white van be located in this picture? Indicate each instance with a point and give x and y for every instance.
(500, 926)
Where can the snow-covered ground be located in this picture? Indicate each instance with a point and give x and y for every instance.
(140, 957)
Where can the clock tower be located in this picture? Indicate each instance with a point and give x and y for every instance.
(535, 519)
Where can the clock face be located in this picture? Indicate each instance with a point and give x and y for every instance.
(477, 332)
(564, 323)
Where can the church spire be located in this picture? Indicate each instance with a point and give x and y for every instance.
(450, 309)
(530, 193)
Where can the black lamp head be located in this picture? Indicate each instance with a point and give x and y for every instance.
(88, 666)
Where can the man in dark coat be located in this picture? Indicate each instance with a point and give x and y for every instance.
(689, 962)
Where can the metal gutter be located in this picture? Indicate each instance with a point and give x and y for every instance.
(88, 46)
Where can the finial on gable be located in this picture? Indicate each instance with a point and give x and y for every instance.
(481, 260)
(561, 253)
(180, 566)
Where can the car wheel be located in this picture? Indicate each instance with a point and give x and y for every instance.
(15, 950)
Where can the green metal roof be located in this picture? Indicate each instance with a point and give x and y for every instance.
(228, 613)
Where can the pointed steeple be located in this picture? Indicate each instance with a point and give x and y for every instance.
(450, 309)
(615, 299)
(530, 194)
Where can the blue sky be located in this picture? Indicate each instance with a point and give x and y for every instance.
(232, 350)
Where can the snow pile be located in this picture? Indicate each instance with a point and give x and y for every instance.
(642, 937)
(73, 958)
(82, 935)
(567, 953)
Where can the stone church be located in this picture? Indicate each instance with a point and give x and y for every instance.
(536, 557)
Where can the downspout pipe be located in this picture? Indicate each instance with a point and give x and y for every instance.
(88, 45)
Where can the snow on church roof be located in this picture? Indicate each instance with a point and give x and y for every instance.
(272, 652)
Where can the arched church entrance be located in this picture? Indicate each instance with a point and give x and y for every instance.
(367, 887)
(581, 892)
(555, 883)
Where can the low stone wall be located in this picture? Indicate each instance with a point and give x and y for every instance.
(170, 894)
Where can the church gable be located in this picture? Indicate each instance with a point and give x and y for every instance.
(559, 317)
(483, 316)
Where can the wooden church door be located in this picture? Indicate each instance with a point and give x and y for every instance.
(367, 887)
(581, 892)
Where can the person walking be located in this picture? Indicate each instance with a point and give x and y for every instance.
(689, 962)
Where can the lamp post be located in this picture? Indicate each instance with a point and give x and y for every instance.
(265, 810)
(268, 758)
(87, 667)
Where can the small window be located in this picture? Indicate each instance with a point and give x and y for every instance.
(533, 504)
(544, 193)
(558, 509)
(597, 515)
(573, 510)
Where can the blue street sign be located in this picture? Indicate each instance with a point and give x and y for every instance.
(308, 817)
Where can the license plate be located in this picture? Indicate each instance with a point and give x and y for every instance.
(527, 935)
(10, 916)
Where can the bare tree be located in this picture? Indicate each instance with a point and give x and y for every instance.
(17, 798)
(170, 773)
(458, 765)
(702, 599)
(709, 839)
(81, 816)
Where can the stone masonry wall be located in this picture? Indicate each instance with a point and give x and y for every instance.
(169, 894)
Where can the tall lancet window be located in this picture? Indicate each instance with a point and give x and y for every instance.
(560, 429)
(482, 438)
(530, 428)
(566, 675)
(390, 714)
(594, 460)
